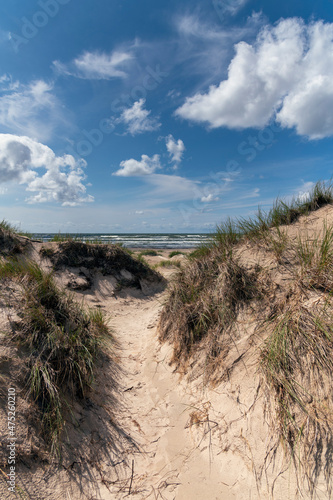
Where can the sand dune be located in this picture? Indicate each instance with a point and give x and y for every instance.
(161, 435)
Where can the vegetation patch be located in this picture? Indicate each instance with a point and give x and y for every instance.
(202, 308)
(174, 253)
(315, 256)
(106, 259)
(10, 240)
(46, 251)
(291, 304)
(150, 253)
(168, 263)
(61, 342)
(229, 233)
(297, 361)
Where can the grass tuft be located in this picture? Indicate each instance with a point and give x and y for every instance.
(174, 253)
(168, 263)
(297, 363)
(151, 253)
(315, 256)
(12, 230)
(202, 307)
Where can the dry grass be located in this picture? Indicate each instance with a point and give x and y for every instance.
(168, 263)
(107, 259)
(293, 317)
(10, 242)
(203, 305)
(12, 230)
(61, 343)
(315, 256)
(296, 359)
(229, 233)
(296, 363)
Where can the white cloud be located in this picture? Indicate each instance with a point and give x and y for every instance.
(29, 109)
(286, 73)
(137, 119)
(61, 183)
(193, 26)
(171, 188)
(203, 48)
(230, 7)
(96, 65)
(175, 149)
(209, 198)
(303, 192)
(133, 167)
(7, 83)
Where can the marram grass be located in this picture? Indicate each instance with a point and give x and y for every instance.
(62, 340)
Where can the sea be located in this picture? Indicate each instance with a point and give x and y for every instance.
(135, 240)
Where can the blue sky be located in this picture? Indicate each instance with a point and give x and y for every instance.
(165, 116)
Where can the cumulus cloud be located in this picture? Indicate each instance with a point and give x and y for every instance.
(21, 157)
(29, 109)
(209, 198)
(137, 119)
(175, 149)
(96, 65)
(133, 167)
(287, 74)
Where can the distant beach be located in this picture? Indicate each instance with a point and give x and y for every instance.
(136, 240)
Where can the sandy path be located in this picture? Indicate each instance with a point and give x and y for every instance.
(157, 407)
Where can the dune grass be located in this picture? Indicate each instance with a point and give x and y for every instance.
(6, 226)
(62, 342)
(199, 301)
(174, 253)
(230, 232)
(12, 230)
(315, 256)
(59, 237)
(286, 213)
(168, 263)
(297, 364)
(200, 317)
(150, 253)
(202, 307)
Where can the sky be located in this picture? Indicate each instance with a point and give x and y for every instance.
(170, 116)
